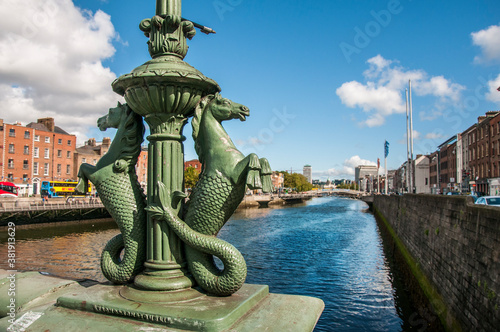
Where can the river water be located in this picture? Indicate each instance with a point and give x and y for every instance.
(329, 248)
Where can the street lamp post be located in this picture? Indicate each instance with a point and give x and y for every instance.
(165, 91)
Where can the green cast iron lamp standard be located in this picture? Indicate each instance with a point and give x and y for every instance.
(180, 239)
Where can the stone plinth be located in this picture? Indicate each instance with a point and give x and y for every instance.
(102, 307)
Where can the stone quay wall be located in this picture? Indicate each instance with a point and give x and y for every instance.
(452, 248)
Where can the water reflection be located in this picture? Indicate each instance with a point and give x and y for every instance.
(329, 249)
(69, 249)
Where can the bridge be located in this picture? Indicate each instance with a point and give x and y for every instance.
(26, 212)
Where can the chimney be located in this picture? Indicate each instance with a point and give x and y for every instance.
(106, 141)
(47, 122)
(91, 142)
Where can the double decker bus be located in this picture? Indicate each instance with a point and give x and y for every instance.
(52, 189)
(8, 189)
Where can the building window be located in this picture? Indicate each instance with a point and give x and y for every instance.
(27, 134)
(68, 154)
(25, 164)
(35, 168)
(59, 167)
(69, 142)
(37, 138)
(47, 139)
(59, 141)
(26, 149)
(47, 153)
(68, 169)
(12, 132)
(10, 177)
(46, 169)
(84, 160)
(11, 163)
(95, 161)
(25, 177)
(59, 153)
(11, 148)
(35, 152)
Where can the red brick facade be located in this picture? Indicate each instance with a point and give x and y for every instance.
(34, 153)
(195, 163)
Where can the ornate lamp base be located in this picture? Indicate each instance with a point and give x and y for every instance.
(252, 308)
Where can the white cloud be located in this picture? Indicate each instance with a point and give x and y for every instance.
(344, 171)
(416, 136)
(383, 92)
(488, 40)
(51, 64)
(493, 94)
(433, 136)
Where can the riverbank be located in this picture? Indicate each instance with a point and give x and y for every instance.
(451, 247)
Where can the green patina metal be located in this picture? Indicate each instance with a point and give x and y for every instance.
(115, 179)
(172, 248)
(168, 243)
(219, 191)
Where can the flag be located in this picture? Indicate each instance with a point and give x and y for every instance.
(386, 149)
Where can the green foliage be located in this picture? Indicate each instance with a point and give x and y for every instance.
(296, 181)
(352, 186)
(190, 177)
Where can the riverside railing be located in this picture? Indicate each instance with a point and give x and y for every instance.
(39, 206)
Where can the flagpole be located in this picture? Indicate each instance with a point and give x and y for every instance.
(386, 153)
(407, 143)
(412, 172)
(378, 176)
(386, 178)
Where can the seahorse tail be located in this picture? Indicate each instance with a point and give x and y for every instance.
(199, 253)
(125, 203)
(120, 271)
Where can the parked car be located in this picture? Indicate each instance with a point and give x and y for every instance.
(489, 200)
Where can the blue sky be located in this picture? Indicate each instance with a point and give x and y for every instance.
(324, 80)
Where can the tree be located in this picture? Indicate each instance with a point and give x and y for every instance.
(190, 177)
(296, 181)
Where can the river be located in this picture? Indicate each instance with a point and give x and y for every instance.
(329, 248)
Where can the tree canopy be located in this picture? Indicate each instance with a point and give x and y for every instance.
(190, 177)
(296, 181)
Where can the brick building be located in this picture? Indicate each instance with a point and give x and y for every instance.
(447, 165)
(36, 152)
(483, 152)
(433, 172)
(494, 181)
(195, 163)
(142, 168)
(278, 180)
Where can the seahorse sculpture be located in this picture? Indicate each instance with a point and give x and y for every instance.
(115, 180)
(220, 189)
